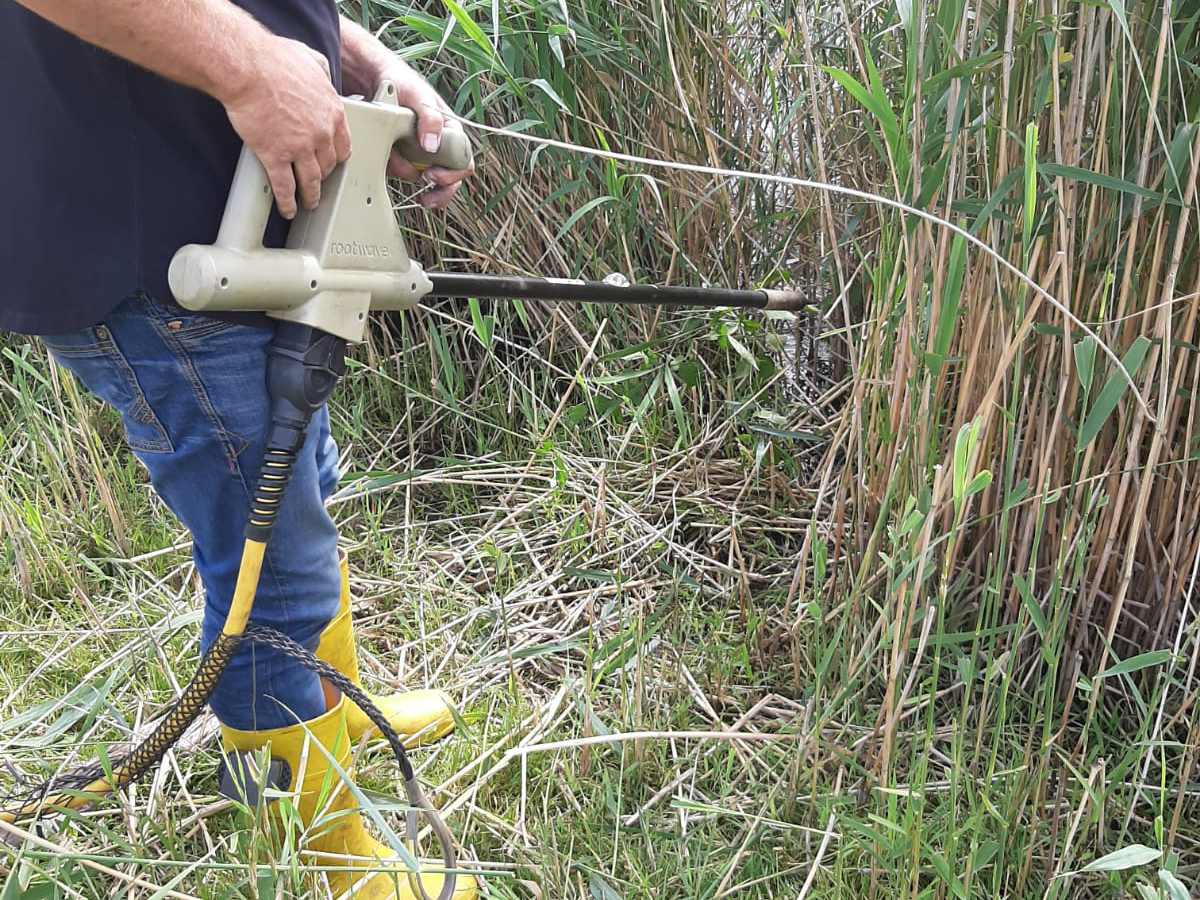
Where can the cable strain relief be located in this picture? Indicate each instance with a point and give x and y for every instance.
(260, 533)
(286, 434)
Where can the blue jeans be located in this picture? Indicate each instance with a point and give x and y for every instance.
(192, 394)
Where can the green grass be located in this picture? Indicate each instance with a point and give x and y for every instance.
(973, 651)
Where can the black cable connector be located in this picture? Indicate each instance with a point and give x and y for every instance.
(303, 368)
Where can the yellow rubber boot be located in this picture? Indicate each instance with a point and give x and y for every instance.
(419, 717)
(333, 830)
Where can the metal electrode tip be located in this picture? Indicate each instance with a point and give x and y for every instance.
(792, 301)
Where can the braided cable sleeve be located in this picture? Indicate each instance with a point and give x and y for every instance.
(78, 788)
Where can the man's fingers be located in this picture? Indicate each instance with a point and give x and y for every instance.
(443, 185)
(341, 138)
(308, 181)
(442, 177)
(327, 158)
(337, 149)
(283, 185)
(399, 167)
(430, 123)
(439, 197)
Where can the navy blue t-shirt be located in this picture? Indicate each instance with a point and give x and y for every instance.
(107, 169)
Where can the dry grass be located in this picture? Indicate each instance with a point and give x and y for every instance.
(925, 661)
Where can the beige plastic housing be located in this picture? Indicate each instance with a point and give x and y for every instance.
(342, 259)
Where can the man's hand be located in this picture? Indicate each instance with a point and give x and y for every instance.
(366, 63)
(433, 117)
(276, 91)
(295, 124)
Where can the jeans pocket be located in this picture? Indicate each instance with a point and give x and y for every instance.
(95, 359)
(184, 326)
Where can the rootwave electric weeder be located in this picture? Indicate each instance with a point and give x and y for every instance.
(342, 260)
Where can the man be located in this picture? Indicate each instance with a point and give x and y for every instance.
(124, 122)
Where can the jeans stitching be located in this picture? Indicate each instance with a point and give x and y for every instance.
(201, 326)
(199, 392)
(203, 329)
(70, 352)
(140, 410)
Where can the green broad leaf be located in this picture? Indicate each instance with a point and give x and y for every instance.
(1031, 606)
(1018, 495)
(1178, 159)
(522, 125)
(83, 704)
(1118, 9)
(743, 351)
(965, 69)
(941, 866)
(1085, 361)
(473, 31)
(551, 649)
(886, 823)
(367, 807)
(367, 483)
(580, 213)
(519, 307)
(952, 290)
(22, 362)
(29, 889)
(601, 889)
(888, 120)
(1126, 858)
(485, 326)
(912, 521)
(1002, 190)
(964, 449)
(544, 86)
(561, 191)
(637, 350)
(599, 576)
(689, 373)
(979, 483)
(620, 377)
(562, 7)
(881, 111)
(810, 437)
(1136, 663)
(676, 404)
(626, 645)
(985, 854)
(1174, 888)
(1099, 179)
(1094, 421)
(1031, 139)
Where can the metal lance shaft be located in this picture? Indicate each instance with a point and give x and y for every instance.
(515, 287)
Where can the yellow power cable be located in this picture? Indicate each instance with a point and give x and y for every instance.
(181, 715)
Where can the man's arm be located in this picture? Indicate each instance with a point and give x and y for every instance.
(365, 63)
(276, 91)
